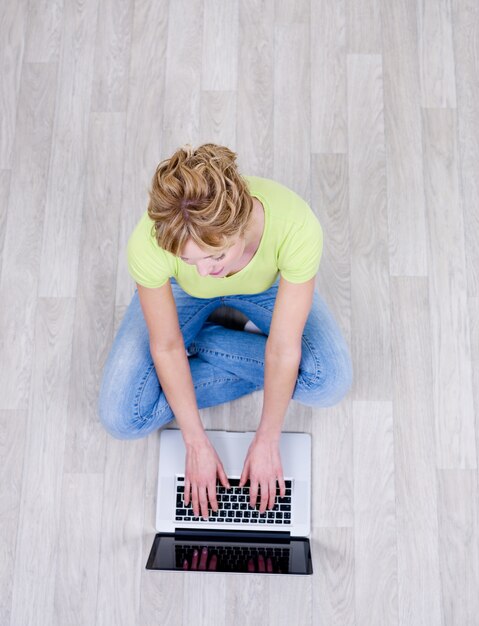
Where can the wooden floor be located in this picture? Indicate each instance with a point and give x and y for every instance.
(369, 109)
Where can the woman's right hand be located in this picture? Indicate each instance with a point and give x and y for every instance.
(202, 466)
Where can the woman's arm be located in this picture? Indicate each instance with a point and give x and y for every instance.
(282, 359)
(171, 363)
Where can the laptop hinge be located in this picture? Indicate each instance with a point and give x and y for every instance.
(231, 534)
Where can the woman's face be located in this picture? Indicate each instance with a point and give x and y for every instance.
(216, 265)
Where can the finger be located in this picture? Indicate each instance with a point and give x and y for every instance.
(244, 475)
(264, 497)
(194, 500)
(194, 560)
(282, 486)
(186, 495)
(253, 494)
(261, 567)
(203, 558)
(213, 563)
(269, 565)
(222, 476)
(251, 565)
(203, 502)
(212, 496)
(272, 494)
(185, 564)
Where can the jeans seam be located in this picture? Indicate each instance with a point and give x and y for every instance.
(139, 392)
(212, 381)
(226, 355)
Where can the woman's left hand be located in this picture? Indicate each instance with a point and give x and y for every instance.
(263, 467)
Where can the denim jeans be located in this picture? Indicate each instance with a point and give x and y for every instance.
(225, 364)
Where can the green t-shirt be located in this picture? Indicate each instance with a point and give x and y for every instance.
(291, 245)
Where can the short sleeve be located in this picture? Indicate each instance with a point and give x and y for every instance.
(300, 254)
(147, 263)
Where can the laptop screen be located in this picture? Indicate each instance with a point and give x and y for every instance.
(239, 553)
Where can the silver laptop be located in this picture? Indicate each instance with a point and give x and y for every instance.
(236, 538)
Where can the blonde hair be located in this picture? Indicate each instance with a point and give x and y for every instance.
(199, 195)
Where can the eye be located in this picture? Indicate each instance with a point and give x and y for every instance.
(220, 257)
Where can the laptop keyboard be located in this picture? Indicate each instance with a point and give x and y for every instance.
(234, 508)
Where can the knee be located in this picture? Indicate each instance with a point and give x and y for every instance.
(117, 420)
(122, 416)
(326, 387)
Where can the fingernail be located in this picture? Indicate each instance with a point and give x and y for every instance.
(195, 552)
(205, 550)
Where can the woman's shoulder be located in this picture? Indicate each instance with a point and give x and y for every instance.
(268, 186)
(284, 204)
(147, 262)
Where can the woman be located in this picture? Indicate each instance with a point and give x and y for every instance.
(212, 238)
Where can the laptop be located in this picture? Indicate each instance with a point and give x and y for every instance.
(236, 538)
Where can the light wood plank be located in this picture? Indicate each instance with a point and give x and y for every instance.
(204, 599)
(465, 21)
(144, 136)
(451, 358)
(332, 481)
(93, 327)
(287, 12)
(66, 180)
(473, 309)
(330, 182)
(5, 176)
(218, 118)
(255, 105)
(375, 548)
(416, 489)
(370, 320)
(364, 26)
(248, 600)
(403, 135)
(39, 521)
(12, 43)
(333, 581)
(78, 550)
(296, 610)
(181, 111)
(161, 592)
(112, 56)
(12, 449)
(292, 111)
(219, 67)
(44, 34)
(328, 77)
(21, 251)
(458, 506)
(121, 552)
(436, 57)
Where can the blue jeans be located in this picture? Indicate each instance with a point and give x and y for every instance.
(225, 364)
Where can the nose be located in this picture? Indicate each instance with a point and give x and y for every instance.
(204, 269)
